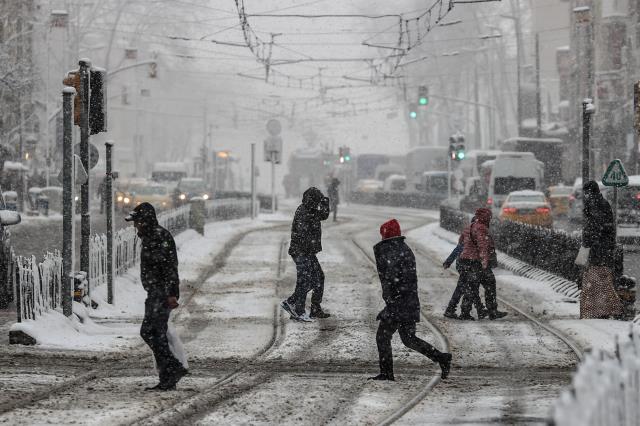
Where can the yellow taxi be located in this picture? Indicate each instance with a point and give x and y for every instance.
(559, 198)
(156, 194)
(529, 207)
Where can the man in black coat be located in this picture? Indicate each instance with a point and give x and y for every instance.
(396, 265)
(306, 236)
(159, 276)
(598, 232)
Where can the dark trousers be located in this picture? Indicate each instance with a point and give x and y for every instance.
(464, 287)
(485, 278)
(154, 333)
(334, 209)
(309, 277)
(407, 332)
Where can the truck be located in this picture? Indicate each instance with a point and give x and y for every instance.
(513, 171)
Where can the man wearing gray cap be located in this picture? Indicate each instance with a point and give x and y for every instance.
(159, 276)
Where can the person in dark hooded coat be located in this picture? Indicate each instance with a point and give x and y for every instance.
(598, 298)
(396, 266)
(334, 197)
(306, 243)
(159, 276)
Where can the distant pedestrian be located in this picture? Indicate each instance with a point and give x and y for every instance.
(306, 243)
(396, 265)
(159, 276)
(464, 284)
(598, 298)
(334, 197)
(479, 258)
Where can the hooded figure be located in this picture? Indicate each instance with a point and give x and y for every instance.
(306, 242)
(334, 196)
(159, 276)
(598, 298)
(396, 266)
(479, 257)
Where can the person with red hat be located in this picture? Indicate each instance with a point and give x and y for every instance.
(396, 265)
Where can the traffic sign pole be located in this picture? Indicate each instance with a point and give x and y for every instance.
(617, 177)
(273, 182)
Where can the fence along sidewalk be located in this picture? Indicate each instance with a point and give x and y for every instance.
(38, 286)
(605, 390)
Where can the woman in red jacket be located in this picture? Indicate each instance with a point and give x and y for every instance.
(480, 255)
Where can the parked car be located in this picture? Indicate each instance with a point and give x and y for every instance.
(395, 183)
(629, 203)
(529, 207)
(559, 196)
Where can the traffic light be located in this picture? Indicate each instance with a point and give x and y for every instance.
(346, 151)
(73, 80)
(341, 155)
(98, 101)
(456, 147)
(413, 111)
(423, 95)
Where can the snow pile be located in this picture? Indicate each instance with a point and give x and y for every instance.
(116, 327)
(605, 389)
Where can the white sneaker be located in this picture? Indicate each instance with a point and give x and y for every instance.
(305, 318)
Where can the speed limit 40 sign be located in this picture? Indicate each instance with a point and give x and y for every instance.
(615, 175)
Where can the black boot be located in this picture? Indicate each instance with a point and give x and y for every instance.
(317, 312)
(450, 314)
(383, 376)
(178, 373)
(482, 312)
(445, 365)
(466, 317)
(494, 315)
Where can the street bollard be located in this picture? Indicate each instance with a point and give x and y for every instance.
(197, 214)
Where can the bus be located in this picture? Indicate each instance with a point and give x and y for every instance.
(547, 150)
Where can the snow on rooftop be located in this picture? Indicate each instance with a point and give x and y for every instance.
(527, 192)
(14, 165)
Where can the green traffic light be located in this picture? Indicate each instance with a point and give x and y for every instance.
(347, 158)
(460, 155)
(423, 101)
(413, 114)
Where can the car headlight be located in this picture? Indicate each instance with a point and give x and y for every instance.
(77, 198)
(127, 200)
(164, 203)
(120, 198)
(183, 197)
(205, 196)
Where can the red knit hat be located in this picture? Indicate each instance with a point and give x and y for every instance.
(390, 229)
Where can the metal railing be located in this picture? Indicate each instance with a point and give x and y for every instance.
(38, 286)
(605, 390)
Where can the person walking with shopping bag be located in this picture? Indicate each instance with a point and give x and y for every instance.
(598, 298)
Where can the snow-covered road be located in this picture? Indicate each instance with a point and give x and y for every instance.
(251, 365)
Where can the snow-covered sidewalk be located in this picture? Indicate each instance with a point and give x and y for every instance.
(536, 296)
(115, 328)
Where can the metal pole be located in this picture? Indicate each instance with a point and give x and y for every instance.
(67, 201)
(253, 181)
(215, 172)
(476, 98)
(273, 182)
(538, 89)
(615, 210)
(448, 178)
(108, 192)
(85, 225)
(586, 118)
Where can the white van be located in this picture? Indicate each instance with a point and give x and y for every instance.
(513, 171)
(395, 183)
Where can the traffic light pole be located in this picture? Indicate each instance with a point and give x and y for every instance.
(85, 225)
(108, 192)
(253, 181)
(67, 200)
(587, 110)
(273, 182)
(449, 177)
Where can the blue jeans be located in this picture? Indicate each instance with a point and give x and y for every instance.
(309, 277)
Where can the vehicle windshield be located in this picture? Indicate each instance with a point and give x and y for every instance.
(507, 184)
(152, 190)
(559, 191)
(437, 183)
(192, 186)
(526, 199)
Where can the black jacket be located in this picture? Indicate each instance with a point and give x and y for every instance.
(158, 261)
(599, 233)
(397, 270)
(306, 229)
